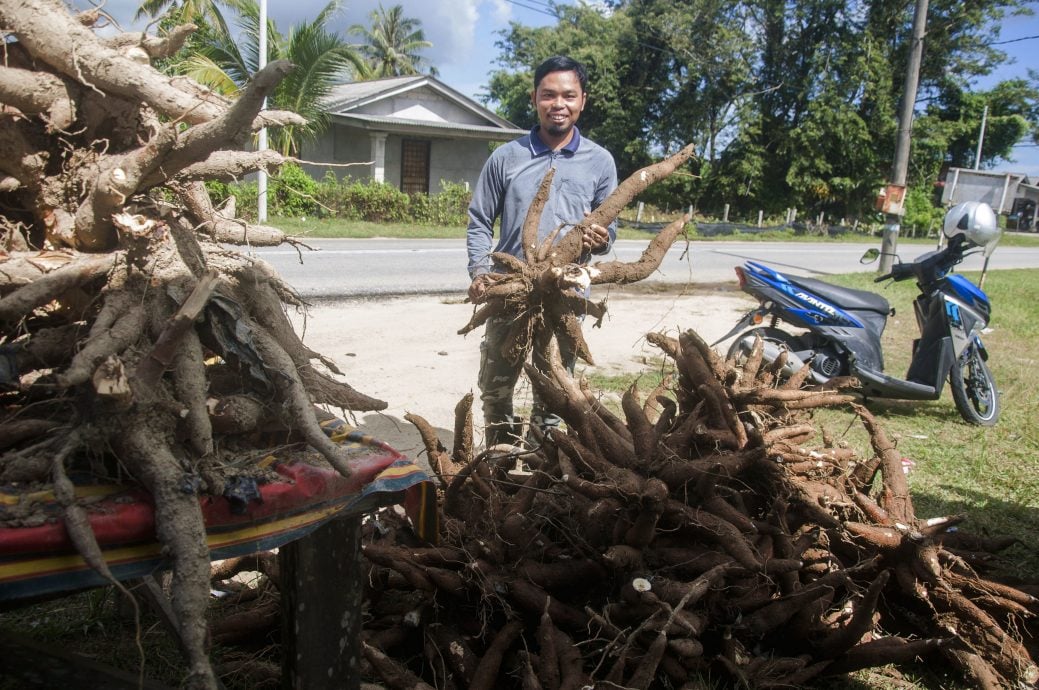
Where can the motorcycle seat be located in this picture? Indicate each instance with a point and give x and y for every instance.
(846, 298)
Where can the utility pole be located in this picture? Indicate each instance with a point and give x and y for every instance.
(981, 139)
(892, 198)
(261, 138)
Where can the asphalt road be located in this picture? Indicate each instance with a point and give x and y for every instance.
(339, 269)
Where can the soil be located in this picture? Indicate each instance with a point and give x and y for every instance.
(406, 351)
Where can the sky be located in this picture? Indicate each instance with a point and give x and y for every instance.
(463, 34)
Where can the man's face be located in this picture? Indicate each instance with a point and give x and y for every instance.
(559, 101)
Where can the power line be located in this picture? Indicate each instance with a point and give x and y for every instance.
(531, 8)
(1014, 40)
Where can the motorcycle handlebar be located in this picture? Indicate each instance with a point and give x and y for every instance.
(898, 272)
(930, 266)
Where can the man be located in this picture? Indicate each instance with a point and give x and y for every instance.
(585, 175)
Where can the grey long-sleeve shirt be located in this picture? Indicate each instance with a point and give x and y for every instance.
(585, 176)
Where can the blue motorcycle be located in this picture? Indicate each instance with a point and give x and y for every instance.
(842, 326)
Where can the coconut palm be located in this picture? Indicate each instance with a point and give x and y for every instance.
(185, 10)
(224, 60)
(392, 43)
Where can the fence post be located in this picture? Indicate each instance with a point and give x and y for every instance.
(638, 213)
(725, 214)
(761, 214)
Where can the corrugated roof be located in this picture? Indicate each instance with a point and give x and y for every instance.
(396, 124)
(347, 97)
(344, 95)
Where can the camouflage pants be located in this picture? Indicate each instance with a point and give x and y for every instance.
(497, 382)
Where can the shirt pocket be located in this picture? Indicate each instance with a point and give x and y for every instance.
(573, 199)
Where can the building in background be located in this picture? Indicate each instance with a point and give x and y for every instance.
(1009, 194)
(411, 132)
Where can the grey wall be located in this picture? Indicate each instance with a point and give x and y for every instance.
(454, 160)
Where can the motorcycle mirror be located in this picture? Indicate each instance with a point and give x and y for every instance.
(870, 256)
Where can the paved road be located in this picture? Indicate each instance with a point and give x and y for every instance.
(367, 268)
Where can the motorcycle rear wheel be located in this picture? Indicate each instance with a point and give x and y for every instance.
(768, 334)
(974, 390)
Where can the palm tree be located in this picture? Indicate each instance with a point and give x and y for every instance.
(224, 61)
(392, 43)
(185, 10)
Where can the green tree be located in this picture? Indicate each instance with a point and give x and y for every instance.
(789, 104)
(392, 43)
(224, 60)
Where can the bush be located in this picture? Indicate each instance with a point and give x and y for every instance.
(293, 193)
(245, 194)
(449, 207)
(921, 216)
(377, 202)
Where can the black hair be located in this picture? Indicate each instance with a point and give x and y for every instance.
(561, 63)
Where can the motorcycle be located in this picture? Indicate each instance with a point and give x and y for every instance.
(843, 326)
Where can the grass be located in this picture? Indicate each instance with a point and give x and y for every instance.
(326, 228)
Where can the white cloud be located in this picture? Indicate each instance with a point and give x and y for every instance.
(463, 32)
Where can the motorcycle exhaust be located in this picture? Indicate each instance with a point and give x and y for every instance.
(772, 351)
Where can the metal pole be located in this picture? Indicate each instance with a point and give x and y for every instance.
(261, 138)
(905, 127)
(981, 138)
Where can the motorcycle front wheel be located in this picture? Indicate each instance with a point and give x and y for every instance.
(974, 389)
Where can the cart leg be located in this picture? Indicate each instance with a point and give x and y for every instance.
(321, 594)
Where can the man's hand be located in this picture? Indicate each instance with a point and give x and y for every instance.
(479, 286)
(594, 237)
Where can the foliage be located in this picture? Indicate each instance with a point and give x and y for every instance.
(449, 207)
(954, 122)
(392, 43)
(293, 193)
(789, 104)
(224, 59)
(185, 10)
(364, 200)
(921, 215)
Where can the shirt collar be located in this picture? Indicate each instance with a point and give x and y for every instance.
(538, 147)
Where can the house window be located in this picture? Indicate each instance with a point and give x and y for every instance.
(414, 166)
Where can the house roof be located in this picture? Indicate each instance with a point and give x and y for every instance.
(346, 100)
(397, 125)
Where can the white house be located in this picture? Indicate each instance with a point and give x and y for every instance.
(411, 132)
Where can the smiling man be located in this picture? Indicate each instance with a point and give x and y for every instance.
(585, 175)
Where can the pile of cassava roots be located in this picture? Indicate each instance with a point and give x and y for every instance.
(708, 536)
